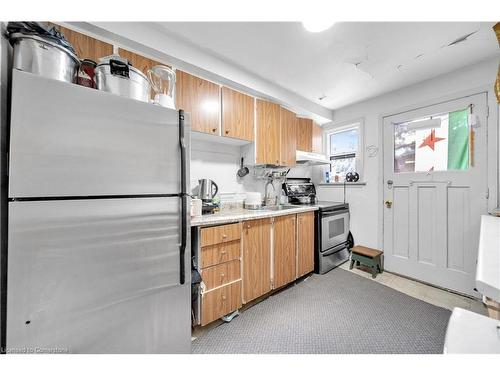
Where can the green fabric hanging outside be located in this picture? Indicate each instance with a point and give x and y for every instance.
(458, 139)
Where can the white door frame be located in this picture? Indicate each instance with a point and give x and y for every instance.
(493, 140)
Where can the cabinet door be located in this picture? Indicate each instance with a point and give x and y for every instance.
(201, 98)
(237, 114)
(317, 138)
(305, 243)
(304, 135)
(284, 250)
(268, 133)
(85, 46)
(288, 137)
(256, 258)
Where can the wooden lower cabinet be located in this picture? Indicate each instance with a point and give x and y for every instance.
(285, 240)
(245, 267)
(256, 240)
(220, 301)
(305, 243)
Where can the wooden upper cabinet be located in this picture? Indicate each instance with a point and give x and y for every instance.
(304, 134)
(305, 243)
(268, 133)
(284, 260)
(237, 114)
(256, 240)
(317, 138)
(288, 137)
(201, 99)
(85, 46)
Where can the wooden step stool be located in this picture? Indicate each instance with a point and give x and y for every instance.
(368, 257)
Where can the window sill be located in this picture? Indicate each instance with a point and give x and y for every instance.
(359, 183)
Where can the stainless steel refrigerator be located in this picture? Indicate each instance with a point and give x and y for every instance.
(98, 226)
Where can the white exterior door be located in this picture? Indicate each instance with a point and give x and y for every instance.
(435, 191)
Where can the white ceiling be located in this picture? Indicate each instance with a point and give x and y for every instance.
(350, 62)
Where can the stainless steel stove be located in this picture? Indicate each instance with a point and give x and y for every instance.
(332, 237)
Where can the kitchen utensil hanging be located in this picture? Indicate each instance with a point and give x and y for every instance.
(243, 171)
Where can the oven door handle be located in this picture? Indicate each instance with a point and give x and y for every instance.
(334, 213)
(334, 249)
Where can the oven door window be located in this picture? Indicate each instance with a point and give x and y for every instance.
(336, 227)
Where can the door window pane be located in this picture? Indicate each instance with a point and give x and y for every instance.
(436, 143)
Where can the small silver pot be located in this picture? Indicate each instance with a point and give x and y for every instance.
(120, 78)
(37, 55)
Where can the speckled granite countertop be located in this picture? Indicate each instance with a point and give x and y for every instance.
(236, 215)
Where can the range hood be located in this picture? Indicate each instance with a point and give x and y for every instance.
(311, 158)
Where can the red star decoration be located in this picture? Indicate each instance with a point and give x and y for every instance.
(430, 140)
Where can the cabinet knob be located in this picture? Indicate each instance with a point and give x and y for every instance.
(227, 131)
(223, 298)
(222, 275)
(214, 130)
(223, 252)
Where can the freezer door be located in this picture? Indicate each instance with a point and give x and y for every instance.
(69, 140)
(97, 276)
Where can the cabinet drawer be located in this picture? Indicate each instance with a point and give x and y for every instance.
(219, 302)
(220, 253)
(220, 234)
(221, 274)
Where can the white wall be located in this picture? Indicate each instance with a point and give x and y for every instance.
(220, 162)
(366, 201)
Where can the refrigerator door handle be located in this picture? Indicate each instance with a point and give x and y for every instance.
(184, 208)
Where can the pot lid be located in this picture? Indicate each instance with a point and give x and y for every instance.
(103, 61)
(40, 38)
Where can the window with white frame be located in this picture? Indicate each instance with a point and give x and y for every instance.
(344, 145)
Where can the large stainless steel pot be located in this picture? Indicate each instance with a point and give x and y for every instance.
(120, 78)
(35, 54)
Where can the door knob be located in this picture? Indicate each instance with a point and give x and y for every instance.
(388, 204)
